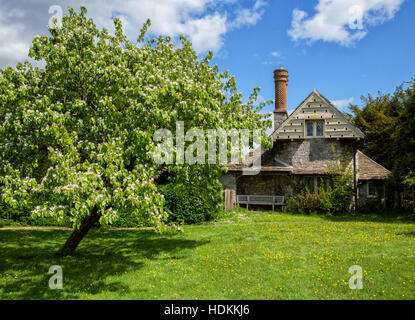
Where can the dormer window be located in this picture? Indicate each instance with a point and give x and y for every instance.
(315, 128)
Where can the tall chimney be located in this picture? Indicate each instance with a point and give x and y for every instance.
(281, 83)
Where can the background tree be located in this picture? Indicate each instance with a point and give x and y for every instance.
(389, 124)
(77, 135)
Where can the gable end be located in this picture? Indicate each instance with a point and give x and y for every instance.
(316, 108)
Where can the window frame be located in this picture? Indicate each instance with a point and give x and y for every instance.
(306, 126)
(371, 185)
(314, 183)
(314, 123)
(322, 128)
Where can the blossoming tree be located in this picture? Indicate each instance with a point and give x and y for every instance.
(77, 134)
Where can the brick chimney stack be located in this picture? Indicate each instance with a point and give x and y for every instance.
(281, 83)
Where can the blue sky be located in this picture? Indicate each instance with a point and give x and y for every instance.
(382, 60)
(343, 48)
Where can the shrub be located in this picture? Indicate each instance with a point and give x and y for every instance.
(336, 198)
(11, 216)
(304, 203)
(189, 204)
(333, 201)
(7, 212)
(127, 220)
(370, 205)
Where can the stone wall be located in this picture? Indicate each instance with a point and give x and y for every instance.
(274, 184)
(311, 154)
(265, 184)
(228, 181)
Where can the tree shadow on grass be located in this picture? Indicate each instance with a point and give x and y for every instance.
(378, 218)
(410, 234)
(26, 257)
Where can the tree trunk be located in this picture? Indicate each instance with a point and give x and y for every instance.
(78, 234)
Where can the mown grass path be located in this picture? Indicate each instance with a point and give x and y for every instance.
(243, 256)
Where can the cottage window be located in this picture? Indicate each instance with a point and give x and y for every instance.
(371, 189)
(322, 183)
(311, 184)
(319, 128)
(315, 128)
(310, 129)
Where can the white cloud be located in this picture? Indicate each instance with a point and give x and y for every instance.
(341, 104)
(207, 33)
(342, 21)
(12, 43)
(204, 22)
(275, 54)
(189, 17)
(249, 16)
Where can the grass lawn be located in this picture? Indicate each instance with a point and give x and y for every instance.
(246, 255)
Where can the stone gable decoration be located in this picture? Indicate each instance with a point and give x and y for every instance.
(305, 143)
(316, 110)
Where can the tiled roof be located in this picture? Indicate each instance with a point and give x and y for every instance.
(369, 169)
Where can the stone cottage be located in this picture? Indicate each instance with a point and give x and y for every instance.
(306, 144)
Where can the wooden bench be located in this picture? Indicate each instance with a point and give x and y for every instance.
(261, 200)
